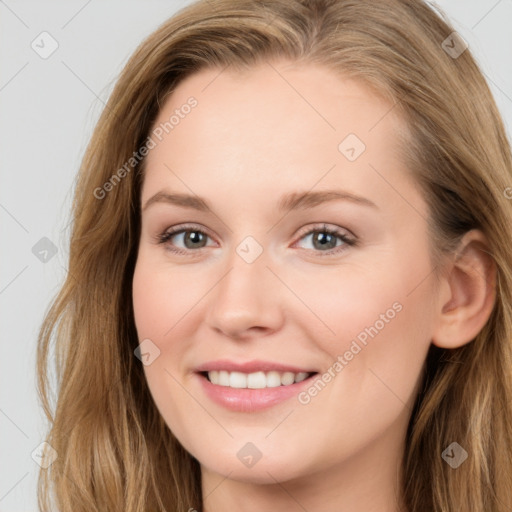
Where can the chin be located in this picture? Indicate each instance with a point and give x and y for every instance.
(266, 470)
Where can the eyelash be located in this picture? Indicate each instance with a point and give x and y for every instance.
(164, 237)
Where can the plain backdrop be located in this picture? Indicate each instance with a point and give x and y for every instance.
(49, 106)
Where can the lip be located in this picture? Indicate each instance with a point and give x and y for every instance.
(250, 367)
(246, 399)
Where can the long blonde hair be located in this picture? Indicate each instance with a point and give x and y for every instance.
(115, 453)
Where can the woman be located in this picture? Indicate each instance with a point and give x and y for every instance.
(289, 284)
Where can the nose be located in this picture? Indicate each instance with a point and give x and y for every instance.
(247, 300)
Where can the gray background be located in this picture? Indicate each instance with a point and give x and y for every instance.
(48, 110)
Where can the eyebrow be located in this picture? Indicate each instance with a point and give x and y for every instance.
(288, 202)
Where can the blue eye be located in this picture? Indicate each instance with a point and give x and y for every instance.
(193, 236)
(324, 239)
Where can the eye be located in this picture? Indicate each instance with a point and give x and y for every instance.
(191, 236)
(325, 240)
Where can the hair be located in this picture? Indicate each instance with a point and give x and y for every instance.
(115, 452)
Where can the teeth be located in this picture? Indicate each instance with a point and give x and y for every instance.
(237, 380)
(256, 380)
(273, 379)
(223, 378)
(287, 378)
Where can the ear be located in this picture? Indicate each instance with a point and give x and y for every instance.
(467, 292)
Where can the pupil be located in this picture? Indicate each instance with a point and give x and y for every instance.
(194, 236)
(324, 239)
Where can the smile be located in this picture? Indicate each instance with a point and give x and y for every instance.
(255, 380)
(253, 385)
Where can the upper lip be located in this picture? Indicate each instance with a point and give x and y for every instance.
(250, 367)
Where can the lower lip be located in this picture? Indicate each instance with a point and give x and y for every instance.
(250, 400)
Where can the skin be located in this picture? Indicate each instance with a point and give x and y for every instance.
(253, 137)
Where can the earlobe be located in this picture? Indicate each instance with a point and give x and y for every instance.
(469, 292)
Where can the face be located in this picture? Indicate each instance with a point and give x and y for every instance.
(287, 304)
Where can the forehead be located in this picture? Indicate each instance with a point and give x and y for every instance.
(308, 99)
(274, 125)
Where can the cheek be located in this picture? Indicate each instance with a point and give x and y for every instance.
(365, 303)
(160, 316)
(158, 309)
(162, 297)
(382, 319)
(382, 323)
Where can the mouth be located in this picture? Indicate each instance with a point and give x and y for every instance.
(255, 380)
(252, 386)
